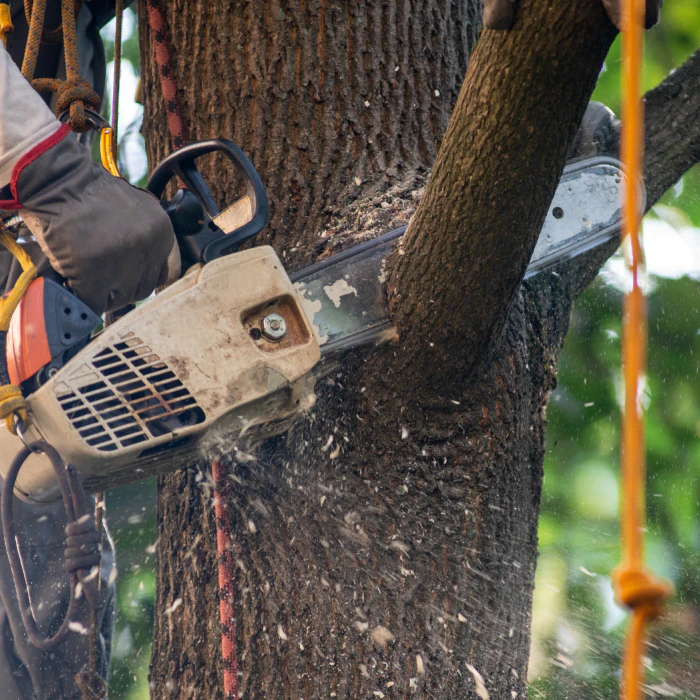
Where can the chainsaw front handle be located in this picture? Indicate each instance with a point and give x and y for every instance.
(182, 164)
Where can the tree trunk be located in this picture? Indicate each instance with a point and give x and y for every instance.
(397, 560)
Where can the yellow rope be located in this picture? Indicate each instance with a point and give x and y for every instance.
(6, 25)
(635, 586)
(12, 402)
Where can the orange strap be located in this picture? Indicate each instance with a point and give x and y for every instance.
(636, 587)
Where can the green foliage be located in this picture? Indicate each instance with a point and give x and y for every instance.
(132, 522)
(578, 629)
(576, 653)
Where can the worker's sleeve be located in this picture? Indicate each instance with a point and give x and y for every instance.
(27, 672)
(25, 120)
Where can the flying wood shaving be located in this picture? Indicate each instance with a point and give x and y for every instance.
(401, 546)
(479, 681)
(92, 575)
(176, 604)
(382, 635)
(77, 627)
(420, 666)
(281, 633)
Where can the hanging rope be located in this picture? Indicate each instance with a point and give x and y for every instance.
(159, 37)
(166, 74)
(50, 36)
(119, 15)
(91, 684)
(225, 556)
(74, 93)
(636, 587)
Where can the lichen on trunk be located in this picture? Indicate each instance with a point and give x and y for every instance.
(387, 544)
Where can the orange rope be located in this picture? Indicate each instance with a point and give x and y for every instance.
(636, 587)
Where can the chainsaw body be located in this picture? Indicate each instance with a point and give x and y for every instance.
(223, 354)
(182, 374)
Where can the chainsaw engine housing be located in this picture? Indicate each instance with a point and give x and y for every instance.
(176, 379)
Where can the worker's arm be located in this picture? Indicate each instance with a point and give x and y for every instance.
(110, 241)
(500, 14)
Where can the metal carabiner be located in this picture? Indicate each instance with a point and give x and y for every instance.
(104, 128)
(19, 428)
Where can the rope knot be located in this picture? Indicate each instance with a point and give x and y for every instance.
(91, 685)
(640, 590)
(76, 94)
(82, 542)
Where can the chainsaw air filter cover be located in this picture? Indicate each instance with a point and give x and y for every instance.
(177, 379)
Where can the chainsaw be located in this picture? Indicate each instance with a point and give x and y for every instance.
(232, 350)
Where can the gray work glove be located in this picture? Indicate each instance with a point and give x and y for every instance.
(112, 242)
(500, 14)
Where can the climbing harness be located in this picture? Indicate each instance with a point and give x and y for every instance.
(635, 586)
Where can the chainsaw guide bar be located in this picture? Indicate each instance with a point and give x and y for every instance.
(344, 295)
(230, 353)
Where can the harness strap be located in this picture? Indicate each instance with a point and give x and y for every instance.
(12, 403)
(6, 25)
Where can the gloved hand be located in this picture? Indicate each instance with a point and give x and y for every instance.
(499, 14)
(111, 241)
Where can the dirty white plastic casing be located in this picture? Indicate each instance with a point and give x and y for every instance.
(175, 380)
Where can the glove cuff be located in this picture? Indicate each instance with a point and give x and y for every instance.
(30, 156)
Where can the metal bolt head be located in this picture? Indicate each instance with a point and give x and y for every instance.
(274, 327)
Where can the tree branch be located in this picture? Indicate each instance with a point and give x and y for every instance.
(672, 128)
(672, 147)
(470, 240)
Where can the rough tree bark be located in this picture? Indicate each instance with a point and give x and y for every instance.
(401, 558)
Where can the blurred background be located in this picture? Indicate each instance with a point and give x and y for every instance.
(578, 629)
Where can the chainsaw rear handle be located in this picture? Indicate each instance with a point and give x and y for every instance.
(182, 164)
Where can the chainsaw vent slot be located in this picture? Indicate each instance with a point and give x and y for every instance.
(139, 397)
